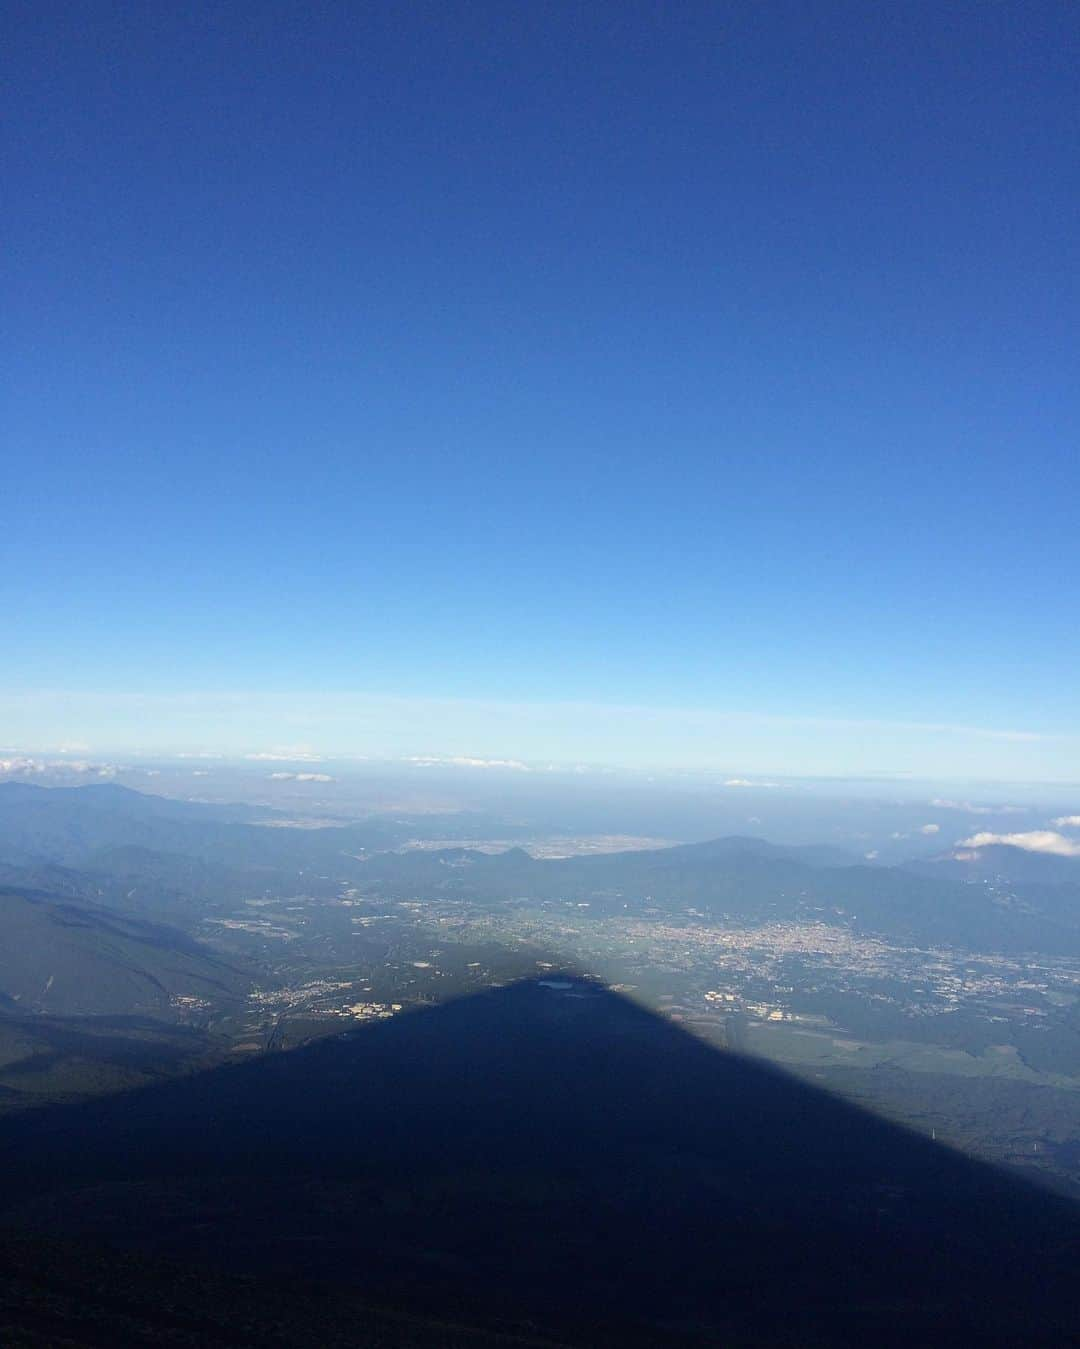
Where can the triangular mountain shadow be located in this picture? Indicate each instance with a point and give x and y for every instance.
(550, 1155)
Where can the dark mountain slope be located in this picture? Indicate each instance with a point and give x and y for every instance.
(72, 958)
(57, 1295)
(49, 1058)
(555, 1155)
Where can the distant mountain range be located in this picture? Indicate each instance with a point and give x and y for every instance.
(168, 859)
(747, 881)
(73, 825)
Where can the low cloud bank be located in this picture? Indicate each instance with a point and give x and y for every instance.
(927, 830)
(1035, 840)
(971, 809)
(22, 766)
(464, 761)
(284, 756)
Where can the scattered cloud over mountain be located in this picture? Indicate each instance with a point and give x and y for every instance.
(24, 766)
(21, 766)
(1067, 822)
(1034, 840)
(301, 777)
(295, 754)
(972, 809)
(928, 830)
(464, 761)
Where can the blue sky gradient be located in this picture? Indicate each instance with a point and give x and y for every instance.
(719, 357)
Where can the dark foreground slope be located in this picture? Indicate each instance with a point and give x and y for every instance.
(558, 1161)
(93, 1000)
(59, 1295)
(72, 958)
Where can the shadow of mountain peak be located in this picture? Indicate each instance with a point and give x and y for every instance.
(552, 1153)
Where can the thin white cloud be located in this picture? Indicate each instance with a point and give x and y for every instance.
(971, 809)
(301, 777)
(464, 761)
(929, 830)
(1067, 822)
(746, 782)
(298, 754)
(1034, 840)
(23, 766)
(84, 769)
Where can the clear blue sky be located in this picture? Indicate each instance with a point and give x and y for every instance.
(704, 355)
